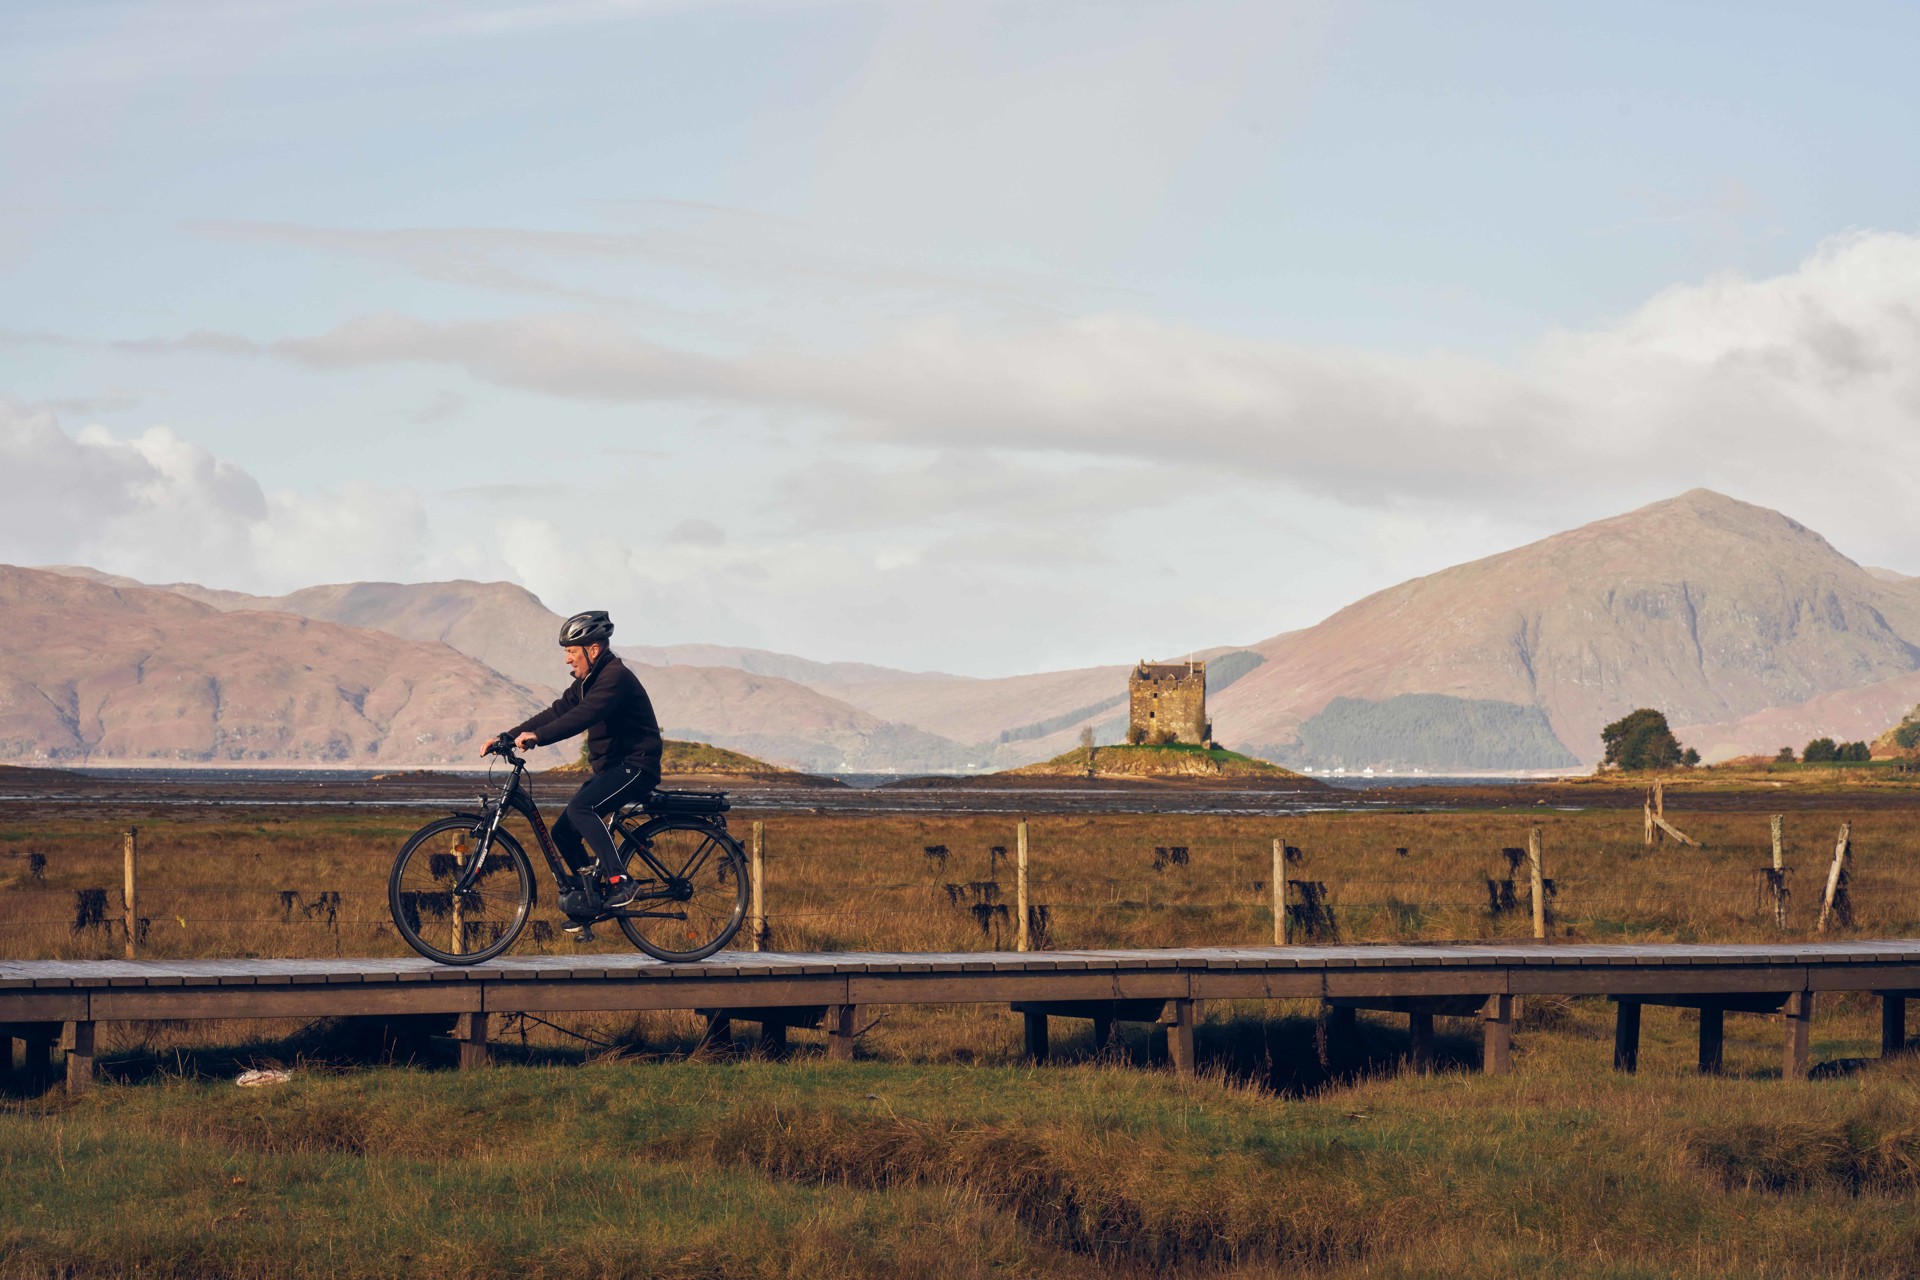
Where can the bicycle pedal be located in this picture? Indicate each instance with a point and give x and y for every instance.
(582, 932)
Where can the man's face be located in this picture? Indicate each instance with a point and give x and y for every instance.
(580, 659)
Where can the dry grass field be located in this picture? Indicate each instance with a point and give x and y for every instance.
(286, 883)
(609, 1147)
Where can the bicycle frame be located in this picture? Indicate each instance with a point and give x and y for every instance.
(516, 797)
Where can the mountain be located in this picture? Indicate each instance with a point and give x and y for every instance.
(95, 673)
(502, 625)
(761, 662)
(727, 704)
(782, 721)
(1707, 608)
(1845, 715)
(1745, 627)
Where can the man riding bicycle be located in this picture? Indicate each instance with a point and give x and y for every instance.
(606, 701)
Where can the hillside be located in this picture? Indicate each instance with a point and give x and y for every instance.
(510, 630)
(101, 674)
(504, 626)
(779, 720)
(1848, 715)
(700, 759)
(1746, 628)
(1707, 608)
(1176, 762)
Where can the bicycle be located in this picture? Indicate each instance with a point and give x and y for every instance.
(466, 881)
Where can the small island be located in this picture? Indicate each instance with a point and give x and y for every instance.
(1160, 761)
(703, 760)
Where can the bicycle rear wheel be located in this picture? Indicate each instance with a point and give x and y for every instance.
(467, 927)
(693, 888)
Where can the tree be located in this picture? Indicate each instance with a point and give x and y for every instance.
(1853, 753)
(1690, 757)
(1641, 740)
(1819, 751)
(1785, 756)
(1906, 735)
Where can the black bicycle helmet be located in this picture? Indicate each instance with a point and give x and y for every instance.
(582, 629)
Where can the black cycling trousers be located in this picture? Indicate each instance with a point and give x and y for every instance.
(583, 826)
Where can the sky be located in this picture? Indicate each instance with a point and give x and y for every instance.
(955, 335)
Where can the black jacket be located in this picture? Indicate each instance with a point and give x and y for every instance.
(610, 704)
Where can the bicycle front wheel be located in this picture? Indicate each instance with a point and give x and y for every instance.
(693, 888)
(471, 925)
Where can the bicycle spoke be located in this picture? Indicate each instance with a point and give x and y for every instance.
(454, 903)
(701, 896)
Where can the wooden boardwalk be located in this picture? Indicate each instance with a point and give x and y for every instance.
(44, 1001)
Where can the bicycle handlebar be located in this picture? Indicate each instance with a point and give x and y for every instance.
(504, 749)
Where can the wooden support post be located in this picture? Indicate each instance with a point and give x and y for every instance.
(1280, 893)
(1102, 1033)
(36, 1056)
(1841, 850)
(716, 1037)
(1796, 1057)
(1034, 1043)
(1496, 1027)
(1180, 1018)
(1779, 872)
(1647, 811)
(1539, 884)
(1334, 1031)
(773, 1040)
(1420, 1041)
(1713, 1038)
(843, 1020)
(6, 1059)
(470, 1029)
(757, 870)
(1021, 939)
(1893, 1024)
(1626, 1035)
(131, 894)
(78, 1042)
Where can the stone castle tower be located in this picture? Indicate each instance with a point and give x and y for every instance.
(1167, 702)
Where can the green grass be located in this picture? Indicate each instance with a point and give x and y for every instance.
(1219, 755)
(812, 1169)
(937, 1155)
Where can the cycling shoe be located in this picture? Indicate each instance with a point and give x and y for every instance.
(620, 892)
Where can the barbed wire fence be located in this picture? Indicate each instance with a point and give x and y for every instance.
(1219, 891)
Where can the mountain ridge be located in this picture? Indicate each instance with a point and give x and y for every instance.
(1725, 615)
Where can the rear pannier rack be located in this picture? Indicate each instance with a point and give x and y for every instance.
(691, 802)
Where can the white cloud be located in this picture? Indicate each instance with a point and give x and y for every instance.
(1740, 383)
(159, 507)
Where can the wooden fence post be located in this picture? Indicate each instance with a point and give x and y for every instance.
(1020, 886)
(1280, 893)
(757, 866)
(1841, 850)
(1779, 873)
(131, 894)
(1539, 884)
